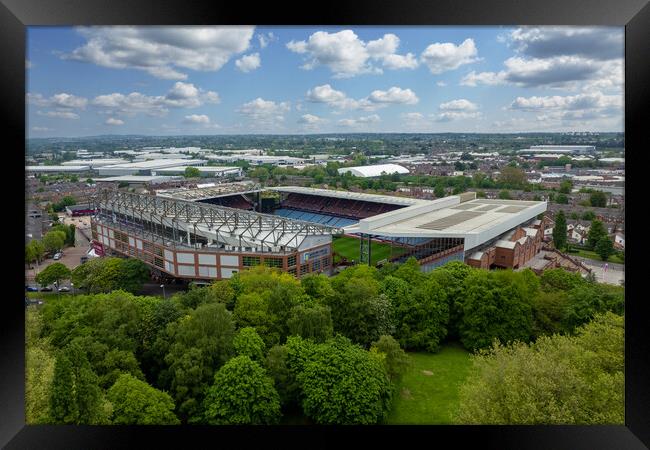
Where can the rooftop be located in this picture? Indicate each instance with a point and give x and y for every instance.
(389, 199)
(374, 171)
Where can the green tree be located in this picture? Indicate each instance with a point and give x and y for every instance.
(557, 380)
(36, 250)
(566, 186)
(396, 361)
(192, 172)
(137, 403)
(109, 274)
(311, 321)
(504, 194)
(201, 343)
(54, 241)
(605, 248)
(588, 215)
(512, 177)
(76, 396)
(248, 343)
(343, 384)
(560, 231)
(598, 199)
(53, 273)
(422, 317)
(497, 305)
(359, 311)
(562, 199)
(439, 191)
(596, 233)
(242, 393)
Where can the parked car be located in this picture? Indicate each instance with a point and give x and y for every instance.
(31, 288)
(64, 289)
(46, 289)
(57, 256)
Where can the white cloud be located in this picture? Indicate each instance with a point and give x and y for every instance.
(158, 50)
(366, 120)
(487, 78)
(62, 100)
(414, 116)
(443, 57)
(114, 122)
(346, 55)
(441, 83)
(459, 105)
(197, 118)
(266, 39)
(601, 43)
(59, 114)
(181, 95)
(248, 63)
(41, 129)
(264, 111)
(560, 57)
(595, 101)
(377, 98)
(453, 115)
(310, 119)
(394, 95)
(457, 110)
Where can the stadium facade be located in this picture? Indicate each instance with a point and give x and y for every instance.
(211, 233)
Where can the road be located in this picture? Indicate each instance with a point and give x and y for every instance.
(71, 257)
(614, 275)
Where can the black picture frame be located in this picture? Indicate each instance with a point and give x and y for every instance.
(16, 15)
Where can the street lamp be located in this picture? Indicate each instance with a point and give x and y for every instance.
(163, 288)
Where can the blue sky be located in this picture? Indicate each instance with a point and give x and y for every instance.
(237, 80)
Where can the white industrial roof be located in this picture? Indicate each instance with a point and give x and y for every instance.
(477, 221)
(57, 168)
(390, 199)
(137, 178)
(95, 162)
(204, 169)
(154, 164)
(374, 171)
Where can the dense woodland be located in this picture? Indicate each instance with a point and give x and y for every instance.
(264, 346)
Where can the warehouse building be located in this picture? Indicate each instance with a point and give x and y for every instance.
(145, 167)
(374, 171)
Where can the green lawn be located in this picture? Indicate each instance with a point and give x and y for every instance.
(593, 255)
(349, 247)
(428, 392)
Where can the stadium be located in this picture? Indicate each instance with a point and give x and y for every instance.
(210, 233)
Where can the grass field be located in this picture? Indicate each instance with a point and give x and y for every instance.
(349, 247)
(428, 392)
(593, 255)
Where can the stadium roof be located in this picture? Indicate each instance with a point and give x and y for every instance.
(204, 193)
(477, 220)
(389, 199)
(374, 171)
(230, 226)
(202, 169)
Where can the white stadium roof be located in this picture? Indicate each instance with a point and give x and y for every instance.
(389, 199)
(374, 171)
(477, 221)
